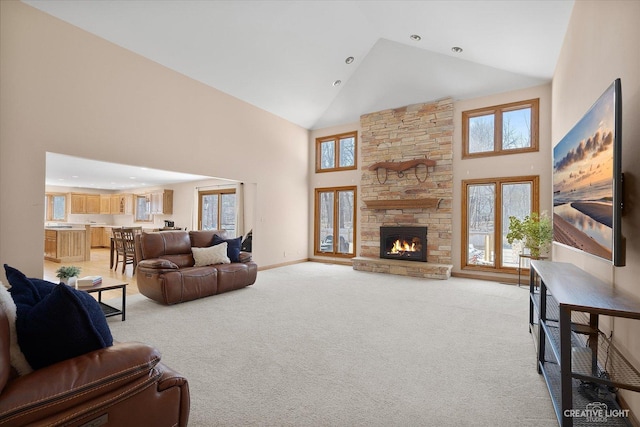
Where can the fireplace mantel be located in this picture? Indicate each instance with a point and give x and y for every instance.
(404, 203)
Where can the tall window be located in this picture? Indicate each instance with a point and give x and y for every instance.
(487, 205)
(217, 210)
(336, 152)
(500, 129)
(335, 221)
(55, 207)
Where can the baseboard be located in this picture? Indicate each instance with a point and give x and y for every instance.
(500, 279)
(347, 262)
(284, 264)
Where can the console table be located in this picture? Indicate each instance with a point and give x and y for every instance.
(564, 309)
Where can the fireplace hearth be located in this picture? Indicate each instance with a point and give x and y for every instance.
(403, 243)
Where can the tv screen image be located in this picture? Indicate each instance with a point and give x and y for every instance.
(587, 181)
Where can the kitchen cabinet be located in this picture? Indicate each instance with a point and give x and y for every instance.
(106, 236)
(50, 244)
(85, 203)
(121, 204)
(93, 204)
(97, 237)
(78, 203)
(100, 237)
(161, 202)
(67, 244)
(105, 204)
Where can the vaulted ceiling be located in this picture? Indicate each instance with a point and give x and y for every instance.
(284, 56)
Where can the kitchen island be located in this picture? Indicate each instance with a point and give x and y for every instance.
(67, 243)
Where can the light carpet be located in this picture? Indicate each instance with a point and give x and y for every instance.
(315, 344)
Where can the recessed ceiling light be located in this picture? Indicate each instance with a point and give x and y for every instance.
(349, 60)
(456, 49)
(337, 82)
(415, 37)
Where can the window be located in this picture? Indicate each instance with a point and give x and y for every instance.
(336, 152)
(55, 207)
(501, 129)
(487, 205)
(143, 208)
(335, 221)
(217, 210)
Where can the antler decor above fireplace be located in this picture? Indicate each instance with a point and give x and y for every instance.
(400, 167)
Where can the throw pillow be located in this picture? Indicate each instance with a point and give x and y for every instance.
(18, 361)
(55, 322)
(233, 246)
(211, 255)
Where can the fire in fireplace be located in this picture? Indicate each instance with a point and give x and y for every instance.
(405, 243)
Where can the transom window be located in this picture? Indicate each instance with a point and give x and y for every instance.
(335, 221)
(500, 129)
(336, 152)
(487, 205)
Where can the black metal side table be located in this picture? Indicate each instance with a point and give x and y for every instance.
(526, 256)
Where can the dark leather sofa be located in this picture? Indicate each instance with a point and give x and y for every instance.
(166, 271)
(122, 385)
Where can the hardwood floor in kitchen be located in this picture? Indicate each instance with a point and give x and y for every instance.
(97, 266)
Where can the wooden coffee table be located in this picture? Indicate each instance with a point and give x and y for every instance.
(108, 286)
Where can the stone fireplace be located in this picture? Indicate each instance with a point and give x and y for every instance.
(407, 181)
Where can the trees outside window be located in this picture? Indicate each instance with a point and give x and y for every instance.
(500, 129)
(336, 152)
(335, 221)
(487, 205)
(217, 210)
(55, 207)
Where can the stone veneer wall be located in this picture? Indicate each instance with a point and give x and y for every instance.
(414, 132)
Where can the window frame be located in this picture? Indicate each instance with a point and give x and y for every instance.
(497, 232)
(336, 159)
(49, 206)
(148, 216)
(336, 223)
(219, 193)
(498, 111)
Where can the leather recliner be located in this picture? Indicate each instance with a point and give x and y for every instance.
(121, 385)
(166, 268)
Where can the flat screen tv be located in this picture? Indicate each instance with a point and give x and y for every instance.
(587, 181)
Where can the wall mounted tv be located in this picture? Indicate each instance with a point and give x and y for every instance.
(587, 181)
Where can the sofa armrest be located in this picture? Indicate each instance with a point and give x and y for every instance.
(245, 256)
(75, 381)
(158, 264)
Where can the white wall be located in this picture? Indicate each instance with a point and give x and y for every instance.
(69, 92)
(601, 44)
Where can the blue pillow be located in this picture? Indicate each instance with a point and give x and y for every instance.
(55, 322)
(233, 246)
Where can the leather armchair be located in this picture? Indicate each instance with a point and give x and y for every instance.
(121, 385)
